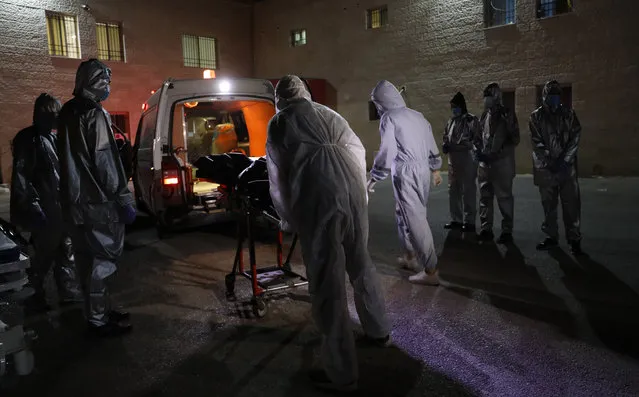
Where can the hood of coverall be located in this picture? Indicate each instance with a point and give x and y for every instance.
(289, 89)
(45, 113)
(386, 97)
(460, 102)
(92, 80)
(552, 87)
(493, 91)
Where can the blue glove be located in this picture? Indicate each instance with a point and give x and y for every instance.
(128, 214)
(39, 219)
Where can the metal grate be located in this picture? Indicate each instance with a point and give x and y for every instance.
(298, 37)
(110, 46)
(499, 12)
(199, 52)
(377, 17)
(549, 8)
(62, 35)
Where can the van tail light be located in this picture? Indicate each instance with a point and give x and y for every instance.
(170, 177)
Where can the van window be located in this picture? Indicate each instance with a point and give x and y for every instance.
(147, 128)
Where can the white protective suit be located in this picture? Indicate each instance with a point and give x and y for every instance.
(317, 174)
(409, 152)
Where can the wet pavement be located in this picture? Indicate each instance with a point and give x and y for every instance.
(509, 321)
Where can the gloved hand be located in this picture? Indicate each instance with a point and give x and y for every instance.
(370, 185)
(445, 148)
(563, 167)
(128, 214)
(437, 178)
(485, 158)
(285, 227)
(39, 219)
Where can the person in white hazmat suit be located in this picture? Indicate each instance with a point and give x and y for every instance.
(408, 153)
(317, 175)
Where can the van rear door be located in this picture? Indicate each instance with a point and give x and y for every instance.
(143, 174)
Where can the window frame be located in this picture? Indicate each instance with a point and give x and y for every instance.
(564, 3)
(298, 43)
(120, 37)
(509, 91)
(383, 17)
(214, 65)
(489, 12)
(60, 18)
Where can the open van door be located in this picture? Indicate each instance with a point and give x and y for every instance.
(143, 173)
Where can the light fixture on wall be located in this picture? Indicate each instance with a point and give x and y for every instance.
(86, 7)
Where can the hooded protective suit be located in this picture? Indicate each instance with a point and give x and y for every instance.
(35, 202)
(496, 154)
(555, 132)
(409, 153)
(459, 135)
(317, 174)
(93, 186)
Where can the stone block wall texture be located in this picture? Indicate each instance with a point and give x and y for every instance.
(437, 47)
(152, 31)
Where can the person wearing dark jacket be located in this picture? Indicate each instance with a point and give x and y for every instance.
(96, 199)
(459, 135)
(35, 205)
(495, 150)
(555, 132)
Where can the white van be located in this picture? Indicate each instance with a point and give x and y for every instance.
(188, 119)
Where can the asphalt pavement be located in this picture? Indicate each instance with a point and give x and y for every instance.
(508, 321)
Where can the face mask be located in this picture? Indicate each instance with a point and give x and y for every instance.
(106, 94)
(489, 102)
(554, 101)
(457, 112)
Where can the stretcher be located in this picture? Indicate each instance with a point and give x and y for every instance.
(244, 187)
(264, 279)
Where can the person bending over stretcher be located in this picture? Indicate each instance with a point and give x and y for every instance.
(317, 175)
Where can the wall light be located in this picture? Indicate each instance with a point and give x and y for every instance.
(209, 74)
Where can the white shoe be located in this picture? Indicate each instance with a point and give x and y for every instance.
(424, 278)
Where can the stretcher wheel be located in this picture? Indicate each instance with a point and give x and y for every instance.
(229, 281)
(259, 307)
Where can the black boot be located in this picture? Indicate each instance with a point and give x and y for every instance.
(321, 381)
(118, 315)
(547, 244)
(468, 228)
(486, 235)
(453, 225)
(505, 238)
(575, 248)
(110, 330)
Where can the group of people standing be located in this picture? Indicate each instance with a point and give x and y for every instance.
(317, 172)
(483, 150)
(70, 191)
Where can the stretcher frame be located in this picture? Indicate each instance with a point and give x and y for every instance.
(246, 231)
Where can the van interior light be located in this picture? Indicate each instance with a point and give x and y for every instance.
(209, 74)
(190, 105)
(170, 181)
(225, 86)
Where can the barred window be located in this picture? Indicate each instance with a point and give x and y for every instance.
(549, 8)
(377, 17)
(199, 52)
(110, 43)
(499, 12)
(298, 37)
(62, 35)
